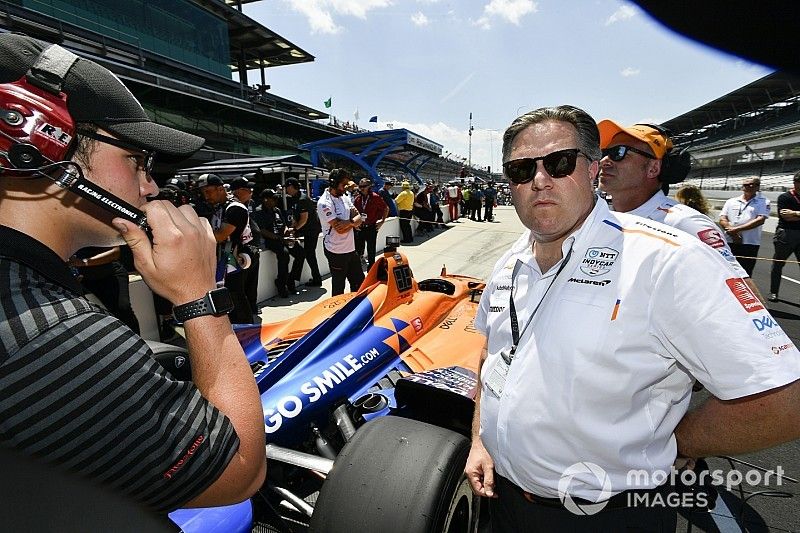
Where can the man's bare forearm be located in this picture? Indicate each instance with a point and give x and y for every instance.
(740, 426)
(476, 417)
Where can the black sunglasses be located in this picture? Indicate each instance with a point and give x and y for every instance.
(148, 157)
(558, 164)
(618, 152)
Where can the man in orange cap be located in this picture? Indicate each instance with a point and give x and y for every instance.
(635, 171)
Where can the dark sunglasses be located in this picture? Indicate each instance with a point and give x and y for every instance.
(748, 184)
(618, 152)
(558, 164)
(148, 157)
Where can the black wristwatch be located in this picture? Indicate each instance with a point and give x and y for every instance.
(217, 303)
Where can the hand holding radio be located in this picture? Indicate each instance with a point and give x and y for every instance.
(180, 262)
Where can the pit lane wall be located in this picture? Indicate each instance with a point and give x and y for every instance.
(142, 297)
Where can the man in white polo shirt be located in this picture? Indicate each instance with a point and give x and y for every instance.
(742, 219)
(595, 334)
(339, 217)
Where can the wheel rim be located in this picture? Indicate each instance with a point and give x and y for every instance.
(461, 509)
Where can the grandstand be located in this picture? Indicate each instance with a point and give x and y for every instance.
(753, 131)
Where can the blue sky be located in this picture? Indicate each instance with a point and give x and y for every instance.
(427, 64)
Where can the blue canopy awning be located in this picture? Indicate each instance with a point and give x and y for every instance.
(399, 148)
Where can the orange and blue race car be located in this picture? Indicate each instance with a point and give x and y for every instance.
(368, 400)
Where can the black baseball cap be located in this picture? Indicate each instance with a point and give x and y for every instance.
(96, 96)
(268, 193)
(206, 180)
(242, 183)
(293, 182)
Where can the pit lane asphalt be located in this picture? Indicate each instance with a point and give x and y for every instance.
(471, 248)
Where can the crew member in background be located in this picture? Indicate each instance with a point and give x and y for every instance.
(466, 202)
(787, 235)
(386, 194)
(242, 190)
(373, 214)
(632, 172)
(272, 229)
(742, 219)
(489, 201)
(405, 210)
(453, 200)
(305, 224)
(229, 220)
(339, 218)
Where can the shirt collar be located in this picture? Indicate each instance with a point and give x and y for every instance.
(650, 205)
(523, 248)
(22, 248)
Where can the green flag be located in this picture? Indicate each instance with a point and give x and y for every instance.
(328, 102)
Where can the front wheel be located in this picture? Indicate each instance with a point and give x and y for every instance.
(398, 475)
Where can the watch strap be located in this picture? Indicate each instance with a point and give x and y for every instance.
(197, 308)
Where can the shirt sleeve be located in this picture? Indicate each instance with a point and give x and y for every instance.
(726, 207)
(708, 232)
(325, 211)
(765, 208)
(723, 336)
(783, 202)
(87, 395)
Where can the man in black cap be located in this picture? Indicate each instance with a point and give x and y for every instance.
(305, 224)
(76, 153)
(242, 190)
(386, 194)
(230, 223)
(272, 229)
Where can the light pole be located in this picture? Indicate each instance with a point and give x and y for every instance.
(469, 154)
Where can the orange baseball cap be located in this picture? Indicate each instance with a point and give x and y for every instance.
(659, 143)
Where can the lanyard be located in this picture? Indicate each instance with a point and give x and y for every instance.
(742, 208)
(516, 334)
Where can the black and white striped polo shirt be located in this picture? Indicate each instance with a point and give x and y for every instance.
(80, 390)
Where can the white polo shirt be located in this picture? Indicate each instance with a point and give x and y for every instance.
(673, 213)
(330, 208)
(604, 372)
(740, 211)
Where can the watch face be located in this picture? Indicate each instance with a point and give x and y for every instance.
(221, 301)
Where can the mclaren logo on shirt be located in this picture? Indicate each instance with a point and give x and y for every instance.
(598, 261)
(594, 282)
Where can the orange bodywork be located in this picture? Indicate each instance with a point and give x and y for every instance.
(439, 331)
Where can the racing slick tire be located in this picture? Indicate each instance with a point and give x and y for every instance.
(398, 475)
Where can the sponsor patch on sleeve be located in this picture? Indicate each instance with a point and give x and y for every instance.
(712, 237)
(742, 292)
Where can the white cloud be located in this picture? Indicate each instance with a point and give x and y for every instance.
(457, 88)
(627, 72)
(419, 19)
(623, 13)
(483, 23)
(510, 10)
(320, 13)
